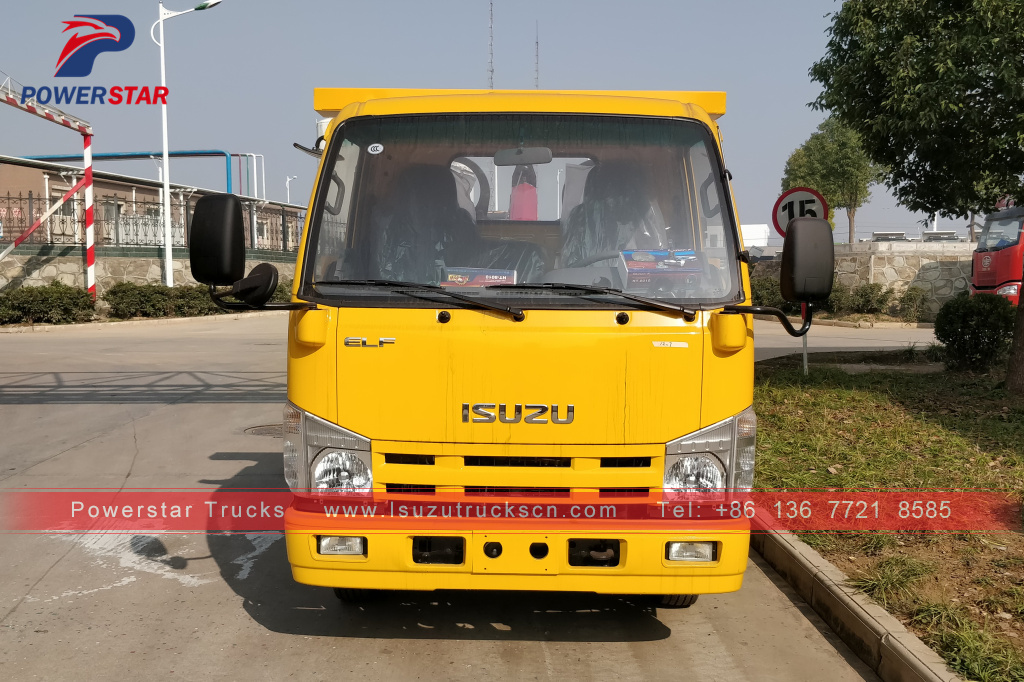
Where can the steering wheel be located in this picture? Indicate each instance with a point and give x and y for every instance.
(607, 255)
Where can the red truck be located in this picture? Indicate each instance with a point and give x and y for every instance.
(998, 265)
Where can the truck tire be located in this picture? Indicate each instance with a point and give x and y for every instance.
(678, 601)
(355, 596)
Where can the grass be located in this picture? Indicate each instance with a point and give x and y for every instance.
(964, 592)
(969, 649)
(890, 581)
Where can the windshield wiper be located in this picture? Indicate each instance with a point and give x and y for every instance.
(408, 288)
(689, 314)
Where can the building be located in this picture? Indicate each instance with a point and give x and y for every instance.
(127, 225)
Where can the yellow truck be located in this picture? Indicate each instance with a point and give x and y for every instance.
(535, 304)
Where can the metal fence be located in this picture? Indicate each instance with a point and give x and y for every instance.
(121, 222)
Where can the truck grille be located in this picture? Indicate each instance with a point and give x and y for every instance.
(563, 462)
(626, 462)
(391, 458)
(486, 490)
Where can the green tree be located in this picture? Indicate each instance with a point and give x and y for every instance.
(936, 89)
(833, 162)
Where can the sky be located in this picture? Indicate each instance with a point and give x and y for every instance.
(241, 76)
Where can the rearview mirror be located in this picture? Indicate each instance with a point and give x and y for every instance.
(524, 156)
(217, 240)
(258, 287)
(808, 261)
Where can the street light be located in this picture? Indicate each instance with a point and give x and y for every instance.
(165, 14)
(287, 187)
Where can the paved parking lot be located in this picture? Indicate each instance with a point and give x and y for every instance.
(167, 405)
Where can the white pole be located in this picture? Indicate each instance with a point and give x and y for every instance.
(166, 199)
(255, 179)
(263, 175)
(288, 187)
(46, 193)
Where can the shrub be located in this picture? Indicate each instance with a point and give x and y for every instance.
(976, 330)
(870, 299)
(55, 303)
(840, 301)
(283, 293)
(139, 300)
(193, 301)
(910, 305)
(764, 290)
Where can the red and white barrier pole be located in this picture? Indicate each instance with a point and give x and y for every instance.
(90, 241)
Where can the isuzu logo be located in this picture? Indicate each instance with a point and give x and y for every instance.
(488, 413)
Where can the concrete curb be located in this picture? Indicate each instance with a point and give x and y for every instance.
(854, 325)
(880, 640)
(159, 320)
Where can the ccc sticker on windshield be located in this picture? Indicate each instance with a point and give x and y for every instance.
(375, 148)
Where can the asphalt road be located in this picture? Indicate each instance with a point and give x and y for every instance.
(771, 340)
(166, 405)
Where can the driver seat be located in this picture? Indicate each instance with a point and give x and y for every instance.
(616, 214)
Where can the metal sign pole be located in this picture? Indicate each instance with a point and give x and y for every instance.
(803, 316)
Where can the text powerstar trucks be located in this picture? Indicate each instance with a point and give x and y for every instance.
(520, 343)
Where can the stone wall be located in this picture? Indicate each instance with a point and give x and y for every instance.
(39, 265)
(942, 269)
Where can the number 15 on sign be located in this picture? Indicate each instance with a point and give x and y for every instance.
(799, 202)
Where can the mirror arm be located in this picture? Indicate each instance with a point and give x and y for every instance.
(765, 310)
(218, 296)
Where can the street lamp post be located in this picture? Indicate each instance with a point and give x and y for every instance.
(287, 187)
(165, 14)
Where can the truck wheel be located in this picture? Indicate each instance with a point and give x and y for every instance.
(355, 596)
(678, 601)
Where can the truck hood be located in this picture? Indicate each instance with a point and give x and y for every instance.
(403, 376)
(994, 268)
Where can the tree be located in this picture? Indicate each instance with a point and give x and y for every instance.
(936, 89)
(833, 162)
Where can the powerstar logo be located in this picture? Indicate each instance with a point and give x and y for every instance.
(92, 35)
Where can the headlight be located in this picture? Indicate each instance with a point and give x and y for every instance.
(1008, 290)
(341, 471)
(698, 473)
(717, 457)
(320, 456)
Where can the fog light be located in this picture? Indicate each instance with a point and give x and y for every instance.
(334, 544)
(690, 551)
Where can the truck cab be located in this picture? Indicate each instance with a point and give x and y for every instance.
(519, 342)
(998, 262)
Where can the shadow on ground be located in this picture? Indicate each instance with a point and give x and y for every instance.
(275, 601)
(64, 388)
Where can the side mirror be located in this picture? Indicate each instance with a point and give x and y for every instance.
(217, 240)
(808, 261)
(258, 287)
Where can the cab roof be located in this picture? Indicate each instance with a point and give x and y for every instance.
(350, 102)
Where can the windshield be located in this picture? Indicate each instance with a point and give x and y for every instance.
(1000, 231)
(501, 206)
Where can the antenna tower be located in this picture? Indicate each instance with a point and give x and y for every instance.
(536, 58)
(490, 51)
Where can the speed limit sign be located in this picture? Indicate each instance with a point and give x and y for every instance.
(799, 202)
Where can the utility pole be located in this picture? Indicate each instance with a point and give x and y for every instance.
(490, 51)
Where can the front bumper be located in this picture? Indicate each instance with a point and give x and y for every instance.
(642, 569)
(1013, 299)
